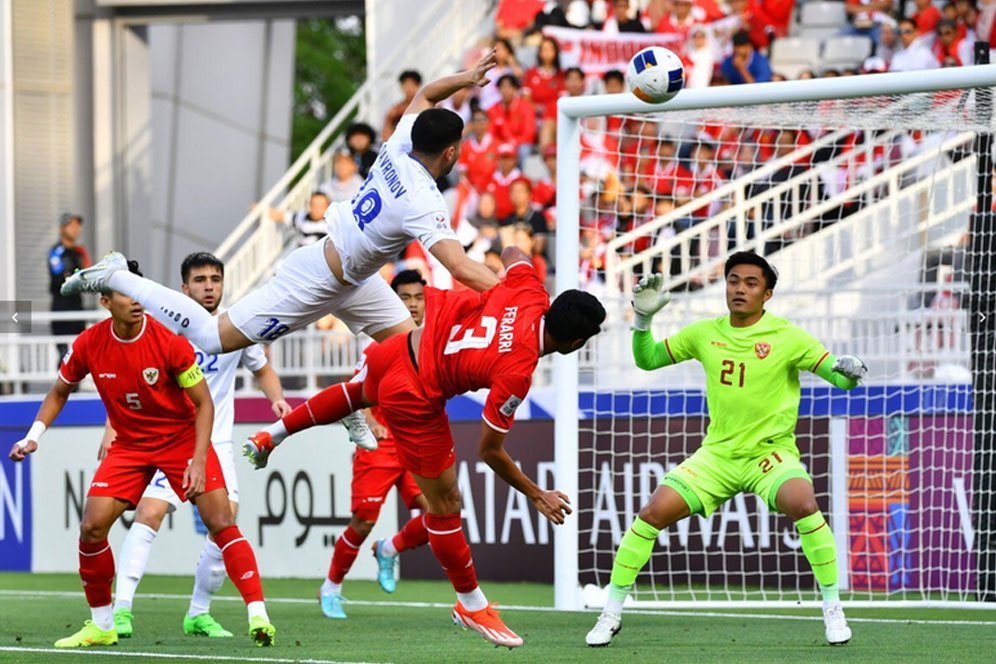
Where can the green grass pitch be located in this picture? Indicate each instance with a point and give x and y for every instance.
(413, 625)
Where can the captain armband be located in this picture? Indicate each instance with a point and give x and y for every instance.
(191, 376)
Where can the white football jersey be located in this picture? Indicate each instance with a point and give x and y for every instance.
(399, 202)
(219, 371)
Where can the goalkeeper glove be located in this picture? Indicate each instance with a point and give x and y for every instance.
(648, 300)
(851, 367)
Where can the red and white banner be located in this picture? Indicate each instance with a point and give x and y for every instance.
(597, 52)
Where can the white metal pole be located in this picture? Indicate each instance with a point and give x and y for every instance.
(567, 592)
(838, 499)
(783, 92)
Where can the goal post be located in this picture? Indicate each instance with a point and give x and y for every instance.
(848, 230)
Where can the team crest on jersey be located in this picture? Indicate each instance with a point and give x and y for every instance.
(762, 350)
(151, 375)
(441, 223)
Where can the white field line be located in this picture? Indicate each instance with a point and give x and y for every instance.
(688, 613)
(104, 652)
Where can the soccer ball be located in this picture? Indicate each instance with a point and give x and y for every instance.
(655, 74)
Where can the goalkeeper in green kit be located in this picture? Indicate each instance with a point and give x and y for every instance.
(752, 361)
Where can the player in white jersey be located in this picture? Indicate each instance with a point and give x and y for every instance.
(203, 281)
(398, 203)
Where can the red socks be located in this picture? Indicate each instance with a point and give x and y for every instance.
(240, 563)
(412, 535)
(328, 406)
(96, 572)
(451, 550)
(347, 546)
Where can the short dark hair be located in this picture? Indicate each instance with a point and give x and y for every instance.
(406, 277)
(321, 193)
(742, 38)
(573, 70)
(508, 78)
(574, 315)
(436, 129)
(361, 128)
(133, 268)
(200, 259)
(613, 75)
(410, 75)
(750, 258)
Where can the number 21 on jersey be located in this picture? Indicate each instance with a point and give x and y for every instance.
(469, 341)
(732, 373)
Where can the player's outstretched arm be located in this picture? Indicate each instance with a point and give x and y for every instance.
(442, 88)
(845, 372)
(554, 505)
(649, 298)
(50, 408)
(468, 272)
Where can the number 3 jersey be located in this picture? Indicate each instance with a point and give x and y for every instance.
(493, 339)
(752, 378)
(138, 380)
(398, 202)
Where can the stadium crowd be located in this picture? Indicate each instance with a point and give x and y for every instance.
(503, 192)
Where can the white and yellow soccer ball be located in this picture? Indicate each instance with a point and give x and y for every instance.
(655, 75)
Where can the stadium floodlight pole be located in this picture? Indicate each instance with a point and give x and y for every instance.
(570, 110)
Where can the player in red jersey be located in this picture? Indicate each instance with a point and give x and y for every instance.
(470, 341)
(159, 404)
(375, 472)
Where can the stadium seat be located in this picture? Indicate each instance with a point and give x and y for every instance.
(795, 50)
(846, 51)
(818, 32)
(824, 14)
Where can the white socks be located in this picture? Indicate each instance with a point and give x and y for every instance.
(102, 617)
(257, 609)
(208, 578)
(387, 548)
(133, 560)
(171, 308)
(474, 600)
(277, 431)
(329, 588)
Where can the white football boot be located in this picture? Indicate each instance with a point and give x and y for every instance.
(94, 279)
(607, 626)
(838, 633)
(359, 433)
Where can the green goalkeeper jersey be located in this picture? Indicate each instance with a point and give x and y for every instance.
(752, 377)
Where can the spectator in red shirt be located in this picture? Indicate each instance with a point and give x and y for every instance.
(681, 20)
(950, 49)
(513, 119)
(545, 190)
(926, 17)
(521, 196)
(410, 81)
(479, 152)
(514, 16)
(543, 85)
(502, 180)
(671, 178)
(574, 81)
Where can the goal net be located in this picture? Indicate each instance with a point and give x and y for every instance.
(864, 206)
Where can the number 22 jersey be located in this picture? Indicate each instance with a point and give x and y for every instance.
(492, 339)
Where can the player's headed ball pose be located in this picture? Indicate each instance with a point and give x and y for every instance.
(752, 360)
(159, 404)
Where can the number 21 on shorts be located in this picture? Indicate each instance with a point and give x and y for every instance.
(768, 462)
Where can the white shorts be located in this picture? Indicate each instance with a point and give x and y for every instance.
(160, 489)
(304, 290)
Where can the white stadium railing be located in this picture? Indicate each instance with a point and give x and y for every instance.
(904, 343)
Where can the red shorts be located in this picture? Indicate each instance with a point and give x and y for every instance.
(126, 470)
(418, 423)
(374, 473)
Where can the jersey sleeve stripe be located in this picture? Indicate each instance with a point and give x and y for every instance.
(517, 264)
(667, 347)
(819, 362)
(493, 426)
(66, 380)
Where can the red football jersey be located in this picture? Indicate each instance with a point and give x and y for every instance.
(384, 445)
(136, 379)
(492, 339)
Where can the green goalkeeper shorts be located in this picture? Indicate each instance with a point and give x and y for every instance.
(706, 480)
